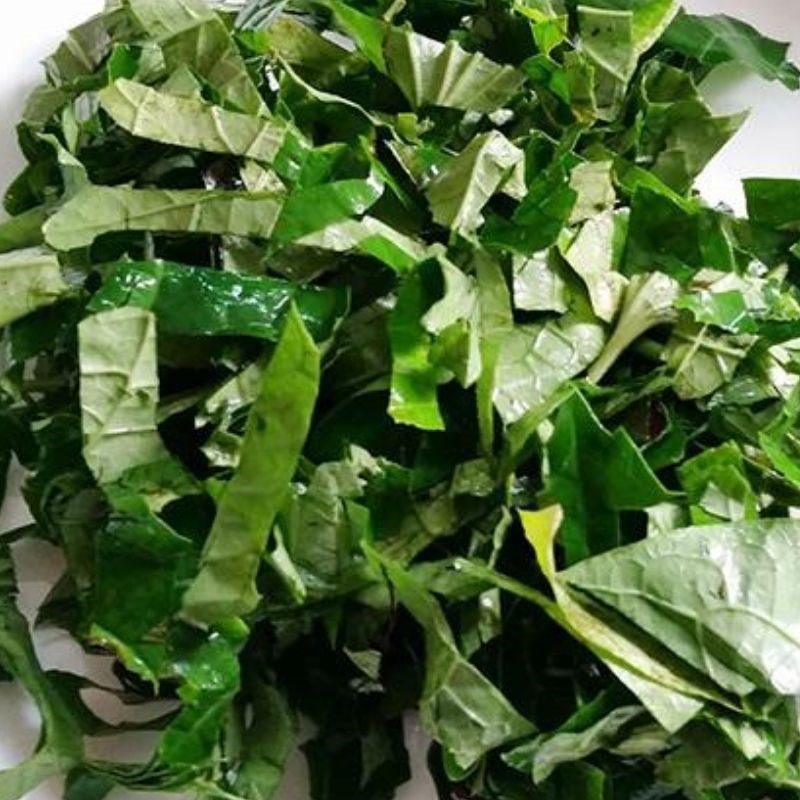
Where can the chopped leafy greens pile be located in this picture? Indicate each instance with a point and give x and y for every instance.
(373, 357)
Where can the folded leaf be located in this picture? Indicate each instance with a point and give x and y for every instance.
(680, 133)
(311, 209)
(455, 320)
(496, 329)
(87, 45)
(430, 73)
(671, 693)
(277, 428)
(542, 756)
(190, 33)
(595, 254)
(119, 392)
(459, 193)
(105, 209)
(371, 237)
(614, 40)
(162, 117)
(29, 280)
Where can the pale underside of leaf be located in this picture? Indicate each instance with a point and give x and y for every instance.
(105, 209)
(119, 392)
(186, 122)
(29, 280)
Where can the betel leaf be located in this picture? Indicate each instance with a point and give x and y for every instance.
(679, 131)
(721, 39)
(593, 475)
(268, 742)
(535, 361)
(185, 122)
(725, 619)
(649, 303)
(455, 321)
(119, 391)
(542, 756)
(540, 283)
(104, 209)
(303, 300)
(496, 324)
(773, 201)
(210, 678)
(430, 73)
(61, 744)
(458, 194)
(87, 45)
(613, 40)
(595, 254)
(460, 708)
(141, 567)
(276, 432)
(670, 693)
(29, 280)
(314, 208)
(368, 236)
(195, 301)
(189, 32)
(414, 376)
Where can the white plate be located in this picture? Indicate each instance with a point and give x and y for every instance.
(30, 30)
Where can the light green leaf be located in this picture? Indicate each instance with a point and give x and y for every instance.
(276, 432)
(539, 283)
(29, 280)
(536, 360)
(595, 253)
(455, 320)
(668, 693)
(593, 185)
(119, 392)
(16, 783)
(430, 73)
(718, 596)
(314, 208)
(87, 45)
(496, 326)
(459, 193)
(702, 361)
(185, 122)
(614, 40)
(61, 745)
(371, 237)
(649, 302)
(106, 209)
(235, 394)
(190, 33)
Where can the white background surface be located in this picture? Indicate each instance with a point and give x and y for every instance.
(767, 146)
